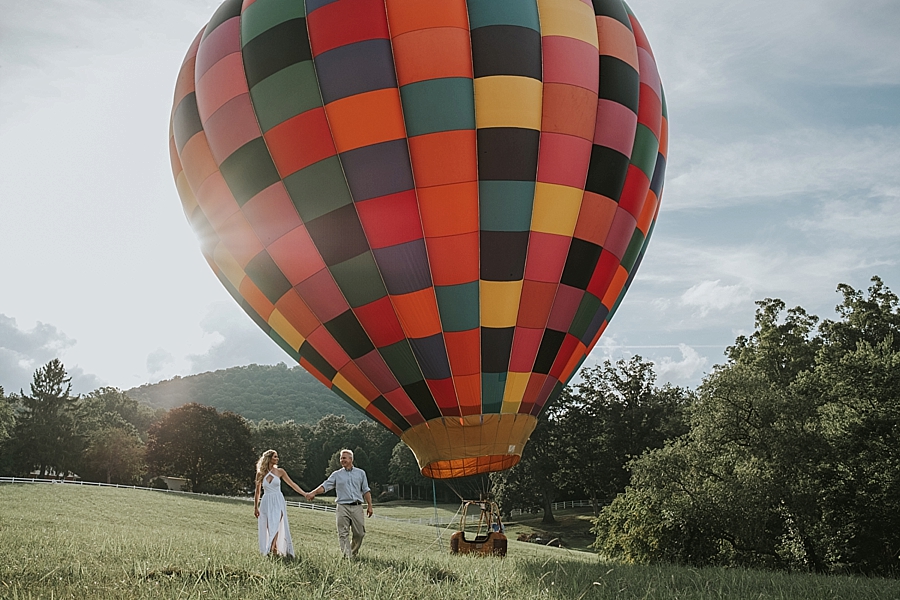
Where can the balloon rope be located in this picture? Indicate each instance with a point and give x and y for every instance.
(449, 525)
(434, 498)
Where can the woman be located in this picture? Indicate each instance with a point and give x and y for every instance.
(271, 510)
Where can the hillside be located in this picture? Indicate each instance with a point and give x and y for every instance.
(273, 392)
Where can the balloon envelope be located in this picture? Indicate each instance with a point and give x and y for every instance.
(435, 207)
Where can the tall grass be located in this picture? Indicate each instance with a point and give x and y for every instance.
(73, 542)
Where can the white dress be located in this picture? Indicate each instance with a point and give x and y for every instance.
(273, 521)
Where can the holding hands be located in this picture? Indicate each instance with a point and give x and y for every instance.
(313, 493)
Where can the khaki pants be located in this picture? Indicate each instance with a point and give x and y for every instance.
(350, 520)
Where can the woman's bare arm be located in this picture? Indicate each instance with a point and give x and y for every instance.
(287, 479)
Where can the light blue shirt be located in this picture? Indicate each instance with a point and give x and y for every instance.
(349, 485)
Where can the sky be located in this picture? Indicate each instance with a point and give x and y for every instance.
(783, 180)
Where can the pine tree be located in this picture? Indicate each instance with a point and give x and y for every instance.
(46, 428)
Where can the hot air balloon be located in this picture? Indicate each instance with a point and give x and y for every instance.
(435, 207)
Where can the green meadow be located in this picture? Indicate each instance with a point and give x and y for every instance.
(62, 541)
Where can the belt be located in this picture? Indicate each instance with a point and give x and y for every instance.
(350, 503)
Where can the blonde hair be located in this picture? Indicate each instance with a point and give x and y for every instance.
(264, 464)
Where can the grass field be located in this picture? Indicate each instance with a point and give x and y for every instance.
(77, 542)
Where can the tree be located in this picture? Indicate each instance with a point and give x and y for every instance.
(288, 439)
(330, 434)
(371, 444)
(857, 378)
(404, 468)
(860, 482)
(534, 480)
(199, 443)
(334, 463)
(736, 489)
(793, 456)
(111, 406)
(45, 430)
(7, 417)
(111, 425)
(373, 447)
(780, 348)
(114, 455)
(613, 415)
(7, 429)
(874, 319)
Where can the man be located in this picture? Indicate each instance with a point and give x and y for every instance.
(352, 488)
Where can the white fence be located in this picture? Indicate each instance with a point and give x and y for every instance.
(97, 484)
(555, 505)
(431, 521)
(305, 505)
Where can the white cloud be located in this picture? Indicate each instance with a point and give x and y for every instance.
(793, 272)
(47, 42)
(859, 219)
(42, 342)
(609, 347)
(22, 352)
(236, 341)
(679, 372)
(710, 173)
(82, 382)
(712, 51)
(711, 295)
(687, 370)
(158, 361)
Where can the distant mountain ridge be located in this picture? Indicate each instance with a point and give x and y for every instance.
(273, 392)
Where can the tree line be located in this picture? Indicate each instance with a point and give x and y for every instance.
(108, 437)
(786, 456)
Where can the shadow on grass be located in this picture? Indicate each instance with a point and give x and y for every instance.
(435, 574)
(572, 576)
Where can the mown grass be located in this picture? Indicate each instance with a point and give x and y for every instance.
(73, 542)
